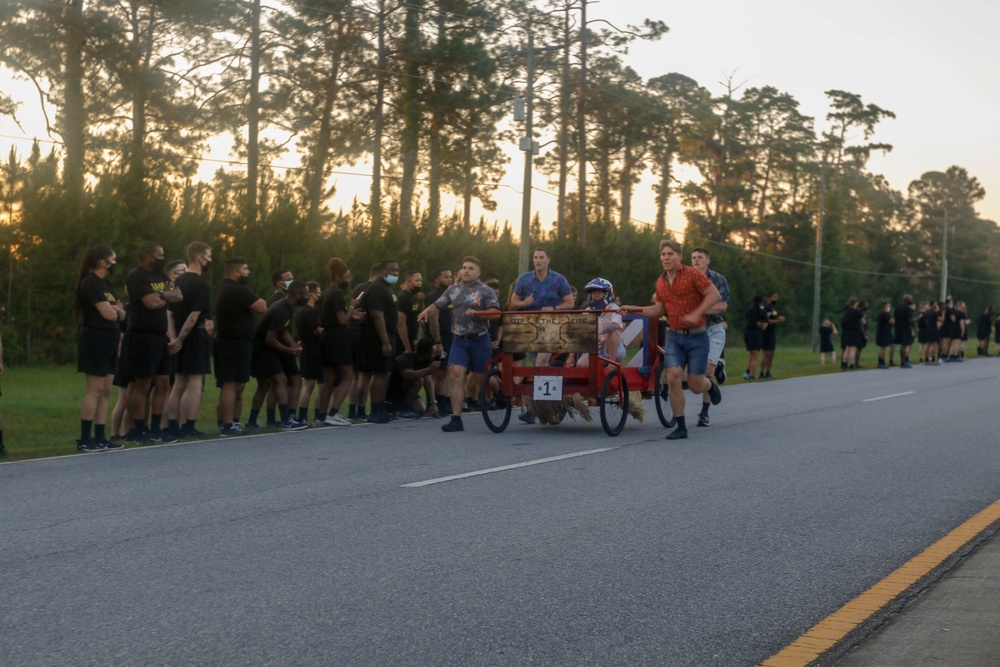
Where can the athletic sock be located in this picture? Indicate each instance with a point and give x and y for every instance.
(254, 414)
(173, 425)
(270, 415)
(189, 426)
(140, 425)
(352, 411)
(85, 425)
(319, 415)
(154, 422)
(681, 424)
(303, 413)
(283, 410)
(704, 409)
(98, 432)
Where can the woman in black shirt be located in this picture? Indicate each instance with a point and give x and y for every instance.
(97, 346)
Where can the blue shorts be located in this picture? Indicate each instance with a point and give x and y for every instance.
(474, 353)
(690, 351)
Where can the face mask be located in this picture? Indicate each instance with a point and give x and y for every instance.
(302, 302)
(158, 265)
(206, 265)
(598, 304)
(392, 280)
(111, 268)
(344, 284)
(287, 284)
(243, 280)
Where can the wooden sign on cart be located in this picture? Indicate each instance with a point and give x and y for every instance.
(549, 331)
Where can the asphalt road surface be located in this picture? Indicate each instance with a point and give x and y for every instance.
(328, 546)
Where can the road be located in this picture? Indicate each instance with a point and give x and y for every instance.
(323, 547)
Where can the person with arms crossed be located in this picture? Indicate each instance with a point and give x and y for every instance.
(684, 294)
(471, 348)
(147, 341)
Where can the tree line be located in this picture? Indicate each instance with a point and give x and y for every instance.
(420, 92)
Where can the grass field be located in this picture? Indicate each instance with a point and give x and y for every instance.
(41, 406)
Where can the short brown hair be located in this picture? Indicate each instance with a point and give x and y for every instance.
(470, 258)
(672, 244)
(195, 250)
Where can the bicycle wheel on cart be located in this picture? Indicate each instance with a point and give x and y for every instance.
(494, 404)
(663, 410)
(614, 402)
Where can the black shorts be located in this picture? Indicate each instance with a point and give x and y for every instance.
(883, 339)
(768, 340)
(195, 355)
(147, 354)
(97, 351)
(752, 340)
(370, 348)
(336, 347)
(268, 362)
(355, 349)
(852, 338)
(233, 359)
(904, 337)
(311, 361)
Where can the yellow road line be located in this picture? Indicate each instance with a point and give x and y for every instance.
(825, 634)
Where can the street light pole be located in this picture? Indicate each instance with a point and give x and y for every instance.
(944, 261)
(530, 148)
(818, 271)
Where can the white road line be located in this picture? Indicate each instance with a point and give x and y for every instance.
(882, 398)
(488, 471)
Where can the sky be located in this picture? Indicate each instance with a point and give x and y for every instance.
(933, 64)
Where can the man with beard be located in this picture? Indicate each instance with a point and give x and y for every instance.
(235, 307)
(147, 353)
(408, 329)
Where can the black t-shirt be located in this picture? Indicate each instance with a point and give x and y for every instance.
(409, 308)
(274, 298)
(883, 328)
(278, 319)
(931, 320)
(306, 323)
(903, 317)
(353, 323)
(233, 316)
(140, 283)
(197, 296)
(332, 303)
(444, 316)
(754, 315)
(852, 320)
(770, 316)
(405, 361)
(94, 290)
(379, 296)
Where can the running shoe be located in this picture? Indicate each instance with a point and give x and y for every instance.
(336, 420)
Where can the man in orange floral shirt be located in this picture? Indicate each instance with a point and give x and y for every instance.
(684, 294)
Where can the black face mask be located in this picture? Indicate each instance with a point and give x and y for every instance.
(111, 268)
(302, 302)
(243, 280)
(207, 266)
(344, 284)
(158, 266)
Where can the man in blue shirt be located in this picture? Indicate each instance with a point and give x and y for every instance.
(542, 289)
(714, 323)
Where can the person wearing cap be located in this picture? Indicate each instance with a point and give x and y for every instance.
(685, 295)
(471, 349)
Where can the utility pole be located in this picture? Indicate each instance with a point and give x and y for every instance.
(944, 260)
(581, 125)
(818, 270)
(530, 148)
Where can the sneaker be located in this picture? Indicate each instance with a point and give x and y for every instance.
(906, 364)
(747, 376)
(379, 419)
(677, 434)
(230, 431)
(525, 416)
(453, 426)
(89, 445)
(292, 425)
(336, 420)
(251, 426)
(720, 371)
(703, 420)
(109, 445)
(714, 393)
(408, 414)
(881, 365)
(132, 436)
(166, 437)
(191, 434)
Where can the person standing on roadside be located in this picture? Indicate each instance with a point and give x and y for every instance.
(147, 342)
(235, 307)
(769, 336)
(275, 353)
(358, 392)
(442, 281)
(903, 319)
(753, 330)
(97, 346)
(191, 346)
(883, 333)
(715, 324)
(308, 328)
(471, 348)
(377, 332)
(685, 295)
(335, 341)
(408, 330)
